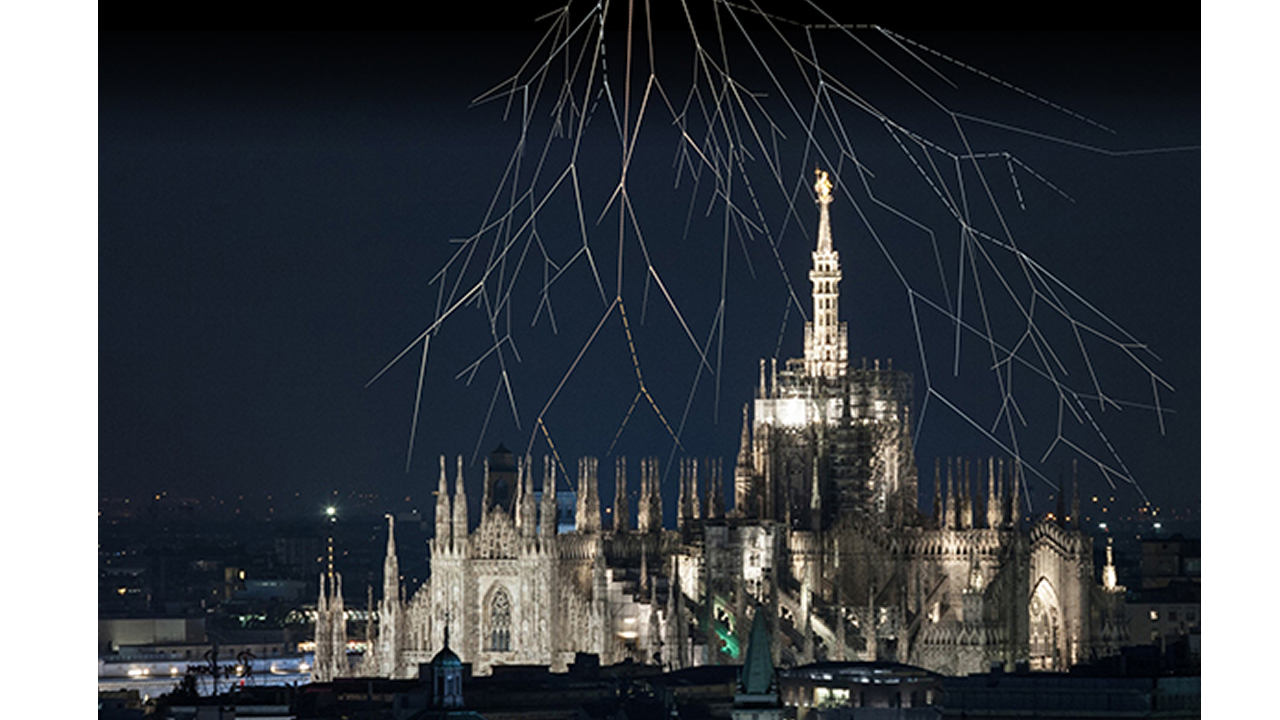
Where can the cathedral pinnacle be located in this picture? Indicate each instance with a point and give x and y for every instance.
(1109, 573)
(757, 677)
(826, 342)
(444, 509)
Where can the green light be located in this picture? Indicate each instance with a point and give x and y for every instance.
(731, 647)
(724, 629)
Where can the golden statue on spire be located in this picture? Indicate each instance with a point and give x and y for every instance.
(822, 186)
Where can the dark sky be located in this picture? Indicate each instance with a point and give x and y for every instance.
(273, 207)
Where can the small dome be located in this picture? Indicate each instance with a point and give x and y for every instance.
(446, 658)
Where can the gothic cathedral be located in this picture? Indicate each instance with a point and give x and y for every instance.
(825, 535)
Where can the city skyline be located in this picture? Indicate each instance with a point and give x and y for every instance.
(271, 209)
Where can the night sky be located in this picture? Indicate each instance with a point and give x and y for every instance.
(272, 209)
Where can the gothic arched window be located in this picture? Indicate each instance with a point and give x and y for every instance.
(1045, 628)
(500, 620)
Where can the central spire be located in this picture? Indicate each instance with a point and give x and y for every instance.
(826, 339)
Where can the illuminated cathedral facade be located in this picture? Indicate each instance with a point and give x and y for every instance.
(825, 534)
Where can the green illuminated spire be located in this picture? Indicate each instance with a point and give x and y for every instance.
(757, 672)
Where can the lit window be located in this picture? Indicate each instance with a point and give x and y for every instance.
(1154, 615)
(500, 621)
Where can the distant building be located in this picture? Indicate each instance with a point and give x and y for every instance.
(839, 689)
(272, 589)
(566, 508)
(1169, 560)
(1167, 617)
(1068, 697)
(115, 634)
(1165, 611)
(892, 691)
(120, 705)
